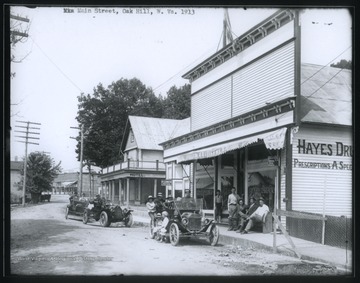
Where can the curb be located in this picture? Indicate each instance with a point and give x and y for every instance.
(229, 240)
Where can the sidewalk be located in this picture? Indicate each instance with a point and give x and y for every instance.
(311, 251)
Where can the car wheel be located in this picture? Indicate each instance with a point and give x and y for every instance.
(129, 220)
(66, 213)
(85, 217)
(104, 219)
(174, 234)
(214, 235)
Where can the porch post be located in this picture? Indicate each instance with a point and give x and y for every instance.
(127, 191)
(113, 190)
(155, 187)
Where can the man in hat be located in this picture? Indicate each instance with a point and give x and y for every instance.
(151, 207)
(159, 202)
(258, 216)
(250, 210)
(233, 200)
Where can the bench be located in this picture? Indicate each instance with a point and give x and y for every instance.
(266, 226)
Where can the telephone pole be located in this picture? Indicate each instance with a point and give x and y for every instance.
(81, 154)
(26, 137)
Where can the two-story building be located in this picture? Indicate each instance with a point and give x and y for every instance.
(142, 172)
(271, 126)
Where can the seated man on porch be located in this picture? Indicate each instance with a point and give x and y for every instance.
(258, 216)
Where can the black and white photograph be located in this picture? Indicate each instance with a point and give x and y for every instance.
(180, 141)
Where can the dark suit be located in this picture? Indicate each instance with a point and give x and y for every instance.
(250, 211)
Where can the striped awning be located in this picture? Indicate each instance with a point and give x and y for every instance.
(273, 140)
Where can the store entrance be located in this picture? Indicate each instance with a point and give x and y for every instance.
(261, 183)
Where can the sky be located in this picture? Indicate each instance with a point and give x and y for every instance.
(67, 54)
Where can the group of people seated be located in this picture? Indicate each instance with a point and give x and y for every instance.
(242, 217)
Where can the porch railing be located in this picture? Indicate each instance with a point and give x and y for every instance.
(136, 164)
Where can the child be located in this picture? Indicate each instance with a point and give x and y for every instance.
(151, 206)
(163, 227)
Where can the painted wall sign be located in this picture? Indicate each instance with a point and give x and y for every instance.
(337, 149)
(334, 165)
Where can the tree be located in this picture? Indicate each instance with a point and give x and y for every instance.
(177, 102)
(104, 115)
(343, 64)
(40, 172)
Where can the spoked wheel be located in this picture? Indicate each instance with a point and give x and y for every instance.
(104, 219)
(174, 234)
(129, 221)
(214, 235)
(85, 217)
(66, 213)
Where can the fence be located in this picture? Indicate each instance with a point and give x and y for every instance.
(327, 230)
(136, 164)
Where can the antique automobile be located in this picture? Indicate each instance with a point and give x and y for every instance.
(45, 196)
(76, 208)
(186, 220)
(106, 213)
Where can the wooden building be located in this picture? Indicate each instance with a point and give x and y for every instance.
(272, 126)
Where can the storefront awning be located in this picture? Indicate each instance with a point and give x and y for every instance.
(272, 140)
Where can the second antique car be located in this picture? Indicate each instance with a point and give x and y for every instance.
(186, 220)
(76, 208)
(106, 213)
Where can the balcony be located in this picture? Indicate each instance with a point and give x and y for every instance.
(135, 165)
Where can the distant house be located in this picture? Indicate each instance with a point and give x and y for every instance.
(68, 183)
(15, 181)
(142, 173)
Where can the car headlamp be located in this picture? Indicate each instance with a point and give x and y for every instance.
(185, 221)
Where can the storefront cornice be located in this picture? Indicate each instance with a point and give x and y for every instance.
(268, 111)
(241, 43)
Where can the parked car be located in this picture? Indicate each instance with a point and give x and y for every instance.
(107, 213)
(186, 220)
(45, 196)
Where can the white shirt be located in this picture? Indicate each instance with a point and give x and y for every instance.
(232, 199)
(165, 222)
(262, 210)
(151, 206)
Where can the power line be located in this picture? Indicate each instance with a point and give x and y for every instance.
(63, 73)
(27, 137)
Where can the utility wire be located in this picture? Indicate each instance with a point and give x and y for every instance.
(318, 72)
(57, 67)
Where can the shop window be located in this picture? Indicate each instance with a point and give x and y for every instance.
(262, 184)
(169, 174)
(205, 191)
(227, 160)
(178, 171)
(178, 189)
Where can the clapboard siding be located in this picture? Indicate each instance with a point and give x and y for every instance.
(267, 80)
(211, 105)
(319, 190)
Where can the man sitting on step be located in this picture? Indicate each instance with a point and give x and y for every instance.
(258, 216)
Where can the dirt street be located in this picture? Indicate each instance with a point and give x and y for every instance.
(43, 242)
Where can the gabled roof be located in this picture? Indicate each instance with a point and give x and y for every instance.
(326, 95)
(16, 165)
(150, 132)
